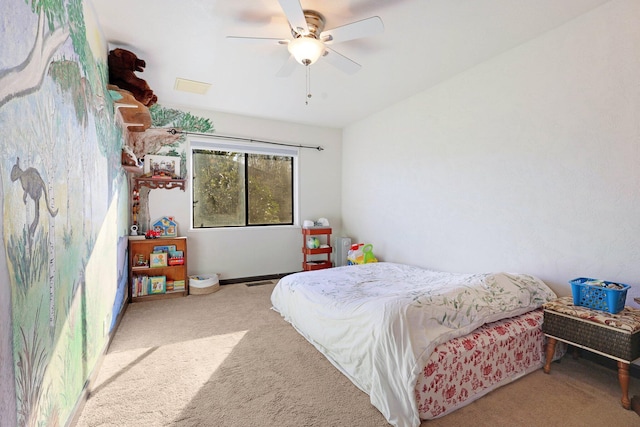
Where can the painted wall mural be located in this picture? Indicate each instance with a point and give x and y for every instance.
(64, 208)
(158, 141)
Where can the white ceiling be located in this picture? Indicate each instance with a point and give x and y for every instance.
(424, 43)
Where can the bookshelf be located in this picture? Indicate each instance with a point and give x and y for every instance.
(156, 266)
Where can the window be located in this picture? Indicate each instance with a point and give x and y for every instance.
(238, 185)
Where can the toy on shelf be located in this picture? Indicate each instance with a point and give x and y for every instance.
(313, 242)
(153, 234)
(140, 261)
(135, 208)
(123, 65)
(167, 226)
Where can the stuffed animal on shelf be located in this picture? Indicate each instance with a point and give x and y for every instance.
(128, 157)
(313, 243)
(122, 67)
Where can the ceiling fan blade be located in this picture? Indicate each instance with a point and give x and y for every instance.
(355, 30)
(287, 68)
(257, 40)
(341, 62)
(295, 15)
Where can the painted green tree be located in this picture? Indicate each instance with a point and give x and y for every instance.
(163, 117)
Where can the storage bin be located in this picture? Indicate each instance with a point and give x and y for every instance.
(203, 284)
(612, 341)
(599, 294)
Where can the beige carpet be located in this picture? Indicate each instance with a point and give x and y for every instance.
(226, 359)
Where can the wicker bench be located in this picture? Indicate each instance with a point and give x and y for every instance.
(616, 336)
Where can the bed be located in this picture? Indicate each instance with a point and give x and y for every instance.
(420, 343)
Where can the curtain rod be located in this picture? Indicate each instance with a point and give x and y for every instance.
(237, 138)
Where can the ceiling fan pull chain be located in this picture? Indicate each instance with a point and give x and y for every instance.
(306, 102)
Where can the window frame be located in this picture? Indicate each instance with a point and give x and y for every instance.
(246, 147)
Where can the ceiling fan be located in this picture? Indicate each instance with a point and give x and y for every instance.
(310, 40)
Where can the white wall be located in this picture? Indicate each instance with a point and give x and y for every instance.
(529, 162)
(257, 251)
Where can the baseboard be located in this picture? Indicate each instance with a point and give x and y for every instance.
(86, 390)
(253, 278)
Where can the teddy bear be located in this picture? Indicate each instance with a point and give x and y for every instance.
(122, 67)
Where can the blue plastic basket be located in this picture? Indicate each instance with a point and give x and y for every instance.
(596, 294)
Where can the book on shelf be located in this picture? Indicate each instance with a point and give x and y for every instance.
(176, 258)
(157, 284)
(165, 248)
(139, 286)
(178, 285)
(158, 259)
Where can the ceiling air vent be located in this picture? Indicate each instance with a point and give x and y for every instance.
(191, 86)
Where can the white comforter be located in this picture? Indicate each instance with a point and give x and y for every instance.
(378, 323)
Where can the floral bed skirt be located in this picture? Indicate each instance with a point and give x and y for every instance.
(466, 368)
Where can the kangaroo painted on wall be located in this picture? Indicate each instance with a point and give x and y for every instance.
(33, 186)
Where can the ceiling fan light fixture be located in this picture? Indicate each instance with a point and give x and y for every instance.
(306, 50)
